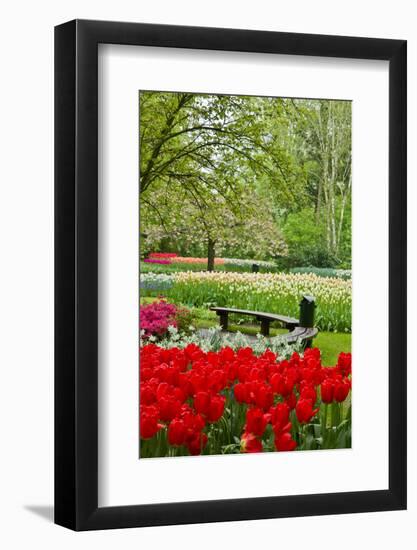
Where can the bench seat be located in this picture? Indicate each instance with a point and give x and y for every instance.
(301, 333)
(288, 322)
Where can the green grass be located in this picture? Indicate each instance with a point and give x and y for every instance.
(330, 343)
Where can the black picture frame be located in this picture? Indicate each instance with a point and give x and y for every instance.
(76, 271)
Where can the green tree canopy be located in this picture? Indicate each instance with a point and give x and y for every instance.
(229, 173)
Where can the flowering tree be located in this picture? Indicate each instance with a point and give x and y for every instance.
(245, 227)
(202, 159)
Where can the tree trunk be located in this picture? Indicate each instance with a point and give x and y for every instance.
(211, 252)
(342, 213)
(334, 161)
(318, 200)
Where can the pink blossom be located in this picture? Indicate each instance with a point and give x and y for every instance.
(155, 318)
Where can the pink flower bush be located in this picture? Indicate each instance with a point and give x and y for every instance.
(155, 318)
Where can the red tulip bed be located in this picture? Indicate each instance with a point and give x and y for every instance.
(194, 402)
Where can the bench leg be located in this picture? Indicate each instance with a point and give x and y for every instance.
(308, 343)
(224, 320)
(265, 327)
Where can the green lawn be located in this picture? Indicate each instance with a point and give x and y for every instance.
(330, 343)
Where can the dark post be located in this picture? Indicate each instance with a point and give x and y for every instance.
(265, 327)
(255, 268)
(224, 320)
(307, 307)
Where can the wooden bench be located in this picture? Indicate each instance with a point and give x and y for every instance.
(299, 329)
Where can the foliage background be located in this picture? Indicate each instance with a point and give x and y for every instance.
(246, 177)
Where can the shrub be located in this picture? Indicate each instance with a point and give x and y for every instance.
(306, 241)
(157, 317)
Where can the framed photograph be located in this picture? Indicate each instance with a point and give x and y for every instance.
(230, 284)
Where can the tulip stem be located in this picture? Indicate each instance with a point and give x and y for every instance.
(231, 408)
(305, 433)
(324, 416)
(335, 413)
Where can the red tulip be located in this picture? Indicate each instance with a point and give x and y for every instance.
(162, 390)
(327, 390)
(147, 395)
(304, 410)
(312, 354)
(282, 384)
(168, 407)
(197, 443)
(256, 422)
(291, 401)
(308, 392)
(202, 402)
(216, 408)
(256, 374)
(269, 355)
(197, 381)
(284, 442)
(176, 432)
(216, 380)
(245, 353)
(341, 390)
(344, 363)
(193, 422)
(280, 415)
(179, 394)
(226, 354)
(264, 397)
(240, 392)
(148, 422)
(250, 444)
